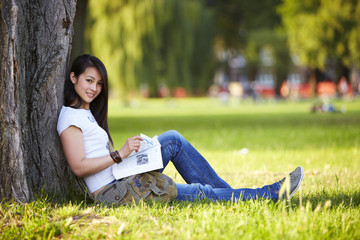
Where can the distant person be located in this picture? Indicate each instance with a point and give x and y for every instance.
(86, 141)
(285, 89)
(236, 90)
(324, 106)
(343, 87)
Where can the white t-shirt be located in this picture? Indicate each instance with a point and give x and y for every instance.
(96, 142)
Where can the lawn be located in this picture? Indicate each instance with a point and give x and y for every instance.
(278, 136)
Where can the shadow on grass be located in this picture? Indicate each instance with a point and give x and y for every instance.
(325, 199)
(336, 198)
(333, 199)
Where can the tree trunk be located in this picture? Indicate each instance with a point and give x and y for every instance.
(78, 40)
(341, 71)
(35, 48)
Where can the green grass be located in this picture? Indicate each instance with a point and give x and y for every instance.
(279, 137)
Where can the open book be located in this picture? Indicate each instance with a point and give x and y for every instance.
(148, 158)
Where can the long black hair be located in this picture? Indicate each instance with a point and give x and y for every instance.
(99, 106)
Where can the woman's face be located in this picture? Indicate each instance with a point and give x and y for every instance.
(88, 85)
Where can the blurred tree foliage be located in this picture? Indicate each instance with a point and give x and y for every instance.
(176, 43)
(323, 30)
(153, 42)
(172, 42)
(247, 27)
(236, 20)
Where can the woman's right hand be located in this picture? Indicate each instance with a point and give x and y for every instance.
(131, 144)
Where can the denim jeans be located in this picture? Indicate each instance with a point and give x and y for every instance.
(202, 181)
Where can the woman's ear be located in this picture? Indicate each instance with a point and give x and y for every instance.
(73, 77)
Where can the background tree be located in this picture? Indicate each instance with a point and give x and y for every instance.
(320, 31)
(153, 42)
(247, 28)
(79, 40)
(172, 42)
(36, 42)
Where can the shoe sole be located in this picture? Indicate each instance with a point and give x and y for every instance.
(297, 187)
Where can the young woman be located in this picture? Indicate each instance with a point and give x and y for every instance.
(86, 141)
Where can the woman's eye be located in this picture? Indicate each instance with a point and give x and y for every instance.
(89, 80)
(101, 84)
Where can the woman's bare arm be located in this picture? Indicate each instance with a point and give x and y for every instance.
(74, 149)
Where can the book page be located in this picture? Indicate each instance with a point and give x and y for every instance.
(148, 158)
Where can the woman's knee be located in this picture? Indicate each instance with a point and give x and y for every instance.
(174, 133)
(169, 136)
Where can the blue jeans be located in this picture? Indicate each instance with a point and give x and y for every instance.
(202, 181)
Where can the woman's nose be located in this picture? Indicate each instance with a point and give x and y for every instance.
(93, 87)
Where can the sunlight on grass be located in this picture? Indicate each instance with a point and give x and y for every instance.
(278, 137)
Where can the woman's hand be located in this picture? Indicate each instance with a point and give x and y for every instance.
(132, 144)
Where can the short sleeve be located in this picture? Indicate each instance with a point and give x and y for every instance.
(67, 119)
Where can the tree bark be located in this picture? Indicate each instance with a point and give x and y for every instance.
(35, 48)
